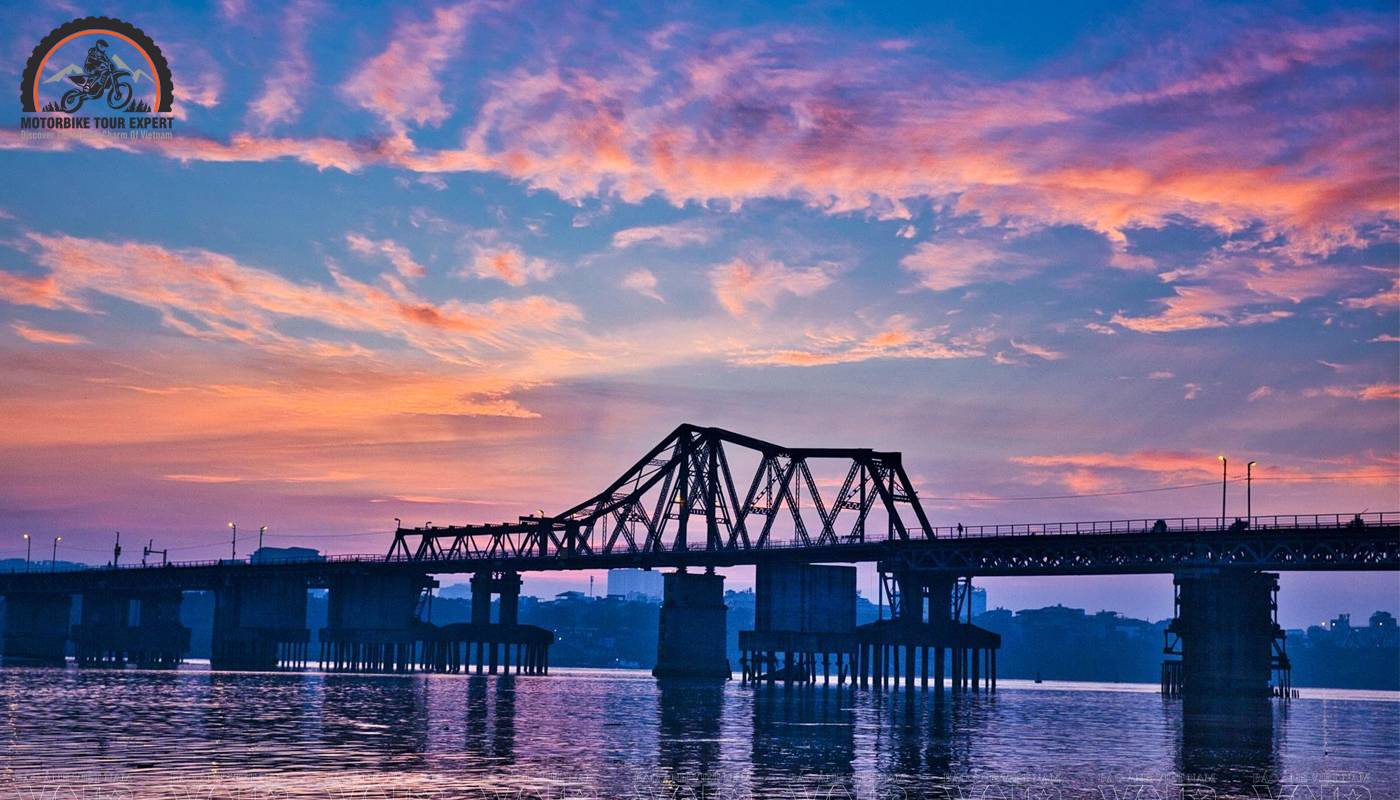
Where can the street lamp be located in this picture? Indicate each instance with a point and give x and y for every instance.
(28, 551)
(1224, 484)
(53, 563)
(1249, 492)
(261, 531)
(234, 528)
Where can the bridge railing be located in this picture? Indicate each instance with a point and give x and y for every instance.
(1173, 525)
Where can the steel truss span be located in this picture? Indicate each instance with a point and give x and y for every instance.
(682, 496)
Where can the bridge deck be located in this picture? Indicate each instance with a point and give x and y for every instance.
(1294, 542)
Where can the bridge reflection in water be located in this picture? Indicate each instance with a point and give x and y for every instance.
(189, 732)
(700, 500)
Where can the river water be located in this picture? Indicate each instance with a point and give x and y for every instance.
(192, 733)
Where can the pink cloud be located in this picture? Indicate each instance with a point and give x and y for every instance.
(285, 88)
(896, 338)
(743, 283)
(397, 254)
(402, 85)
(1377, 391)
(953, 263)
(41, 336)
(508, 263)
(679, 234)
(643, 282)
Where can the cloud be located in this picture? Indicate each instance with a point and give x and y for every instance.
(285, 88)
(41, 291)
(743, 283)
(506, 262)
(1193, 390)
(402, 85)
(680, 234)
(1161, 375)
(1376, 391)
(185, 477)
(1035, 350)
(397, 254)
(949, 264)
(643, 282)
(1384, 300)
(1260, 393)
(40, 336)
(1106, 471)
(896, 338)
(206, 295)
(1186, 127)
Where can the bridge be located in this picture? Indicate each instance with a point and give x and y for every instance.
(795, 514)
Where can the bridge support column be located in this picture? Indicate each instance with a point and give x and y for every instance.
(36, 628)
(159, 640)
(692, 635)
(1226, 629)
(259, 623)
(100, 637)
(372, 621)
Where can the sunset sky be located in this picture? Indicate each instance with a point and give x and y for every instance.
(461, 262)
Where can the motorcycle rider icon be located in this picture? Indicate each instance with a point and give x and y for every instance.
(101, 76)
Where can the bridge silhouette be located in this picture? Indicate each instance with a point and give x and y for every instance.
(795, 513)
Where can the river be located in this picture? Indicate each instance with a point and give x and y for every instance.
(192, 733)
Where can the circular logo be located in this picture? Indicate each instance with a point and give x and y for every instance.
(96, 65)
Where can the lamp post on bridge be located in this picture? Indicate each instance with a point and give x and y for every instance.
(28, 551)
(1224, 485)
(234, 528)
(53, 563)
(261, 531)
(1249, 492)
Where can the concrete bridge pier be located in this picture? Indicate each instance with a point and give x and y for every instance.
(158, 639)
(1225, 640)
(927, 623)
(36, 628)
(260, 623)
(372, 623)
(117, 627)
(806, 613)
(692, 633)
(100, 637)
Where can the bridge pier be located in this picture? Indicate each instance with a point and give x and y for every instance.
(106, 637)
(260, 623)
(100, 638)
(802, 611)
(36, 628)
(372, 623)
(692, 633)
(1225, 635)
(927, 622)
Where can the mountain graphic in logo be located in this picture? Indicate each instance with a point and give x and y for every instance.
(73, 69)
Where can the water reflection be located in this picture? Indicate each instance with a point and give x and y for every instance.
(803, 731)
(591, 735)
(1229, 747)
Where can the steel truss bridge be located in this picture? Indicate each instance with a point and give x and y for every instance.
(680, 505)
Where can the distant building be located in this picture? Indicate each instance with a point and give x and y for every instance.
(979, 601)
(635, 584)
(266, 555)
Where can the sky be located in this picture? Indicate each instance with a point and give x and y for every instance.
(458, 262)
